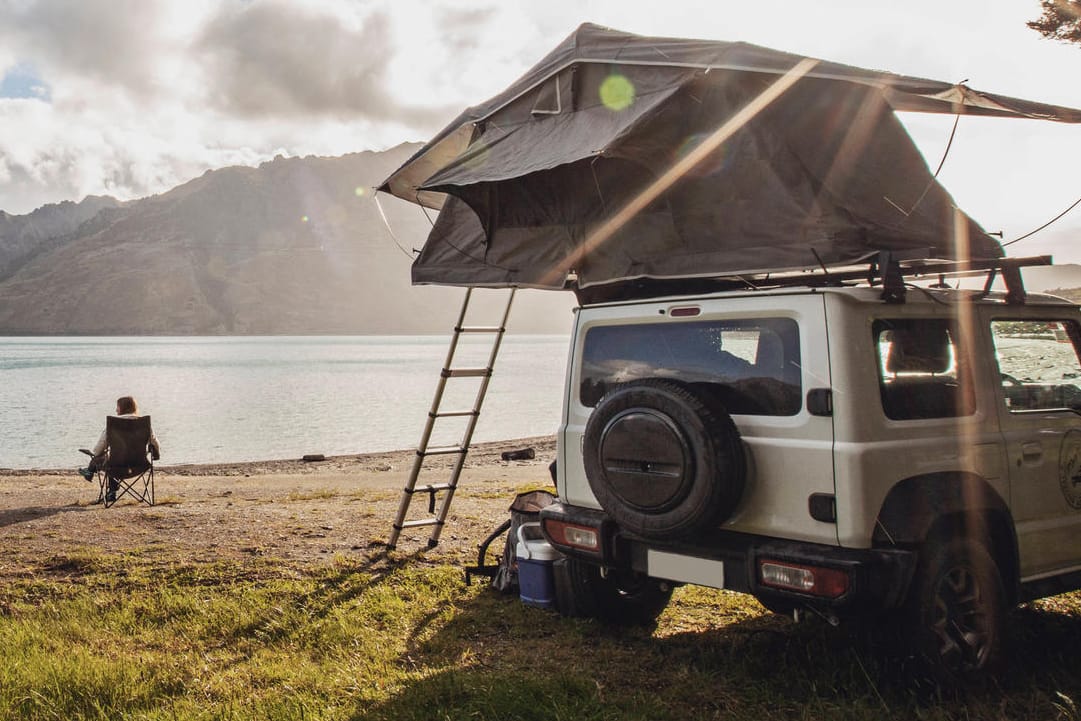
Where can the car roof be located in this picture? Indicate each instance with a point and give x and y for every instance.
(860, 294)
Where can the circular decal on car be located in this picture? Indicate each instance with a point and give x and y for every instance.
(1069, 467)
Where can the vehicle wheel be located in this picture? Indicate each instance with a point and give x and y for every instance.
(956, 608)
(663, 460)
(622, 598)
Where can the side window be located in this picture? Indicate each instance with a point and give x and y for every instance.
(1038, 364)
(750, 366)
(922, 373)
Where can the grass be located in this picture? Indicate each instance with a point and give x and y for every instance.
(87, 636)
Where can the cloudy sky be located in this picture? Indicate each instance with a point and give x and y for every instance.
(131, 97)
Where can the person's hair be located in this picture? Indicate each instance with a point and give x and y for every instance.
(126, 406)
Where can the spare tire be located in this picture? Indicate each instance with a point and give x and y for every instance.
(663, 460)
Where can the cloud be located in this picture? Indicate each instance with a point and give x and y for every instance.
(288, 60)
(49, 154)
(247, 60)
(460, 27)
(144, 95)
(108, 41)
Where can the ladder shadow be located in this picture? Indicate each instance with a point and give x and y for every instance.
(339, 586)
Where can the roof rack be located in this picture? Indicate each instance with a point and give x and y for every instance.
(888, 270)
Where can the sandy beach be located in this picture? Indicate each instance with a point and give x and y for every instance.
(300, 512)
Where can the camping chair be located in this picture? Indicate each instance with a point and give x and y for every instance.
(129, 468)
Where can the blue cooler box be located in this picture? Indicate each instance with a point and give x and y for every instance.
(535, 558)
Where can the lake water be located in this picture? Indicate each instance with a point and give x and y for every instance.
(264, 398)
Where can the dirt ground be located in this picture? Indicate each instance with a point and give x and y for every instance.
(301, 512)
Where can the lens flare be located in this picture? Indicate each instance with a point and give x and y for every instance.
(710, 165)
(617, 92)
(303, 219)
(360, 191)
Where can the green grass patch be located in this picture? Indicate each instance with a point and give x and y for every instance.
(86, 636)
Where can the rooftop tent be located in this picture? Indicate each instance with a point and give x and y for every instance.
(822, 173)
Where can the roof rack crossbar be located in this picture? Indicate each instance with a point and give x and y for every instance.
(886, 268)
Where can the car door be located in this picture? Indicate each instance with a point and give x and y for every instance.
(1039, 368)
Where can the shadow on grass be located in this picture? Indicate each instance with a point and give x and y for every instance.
(335, 588)
(15, 516)
(498, 659)
(442, 650)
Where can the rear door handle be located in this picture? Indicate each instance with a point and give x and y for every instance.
(1031, 451)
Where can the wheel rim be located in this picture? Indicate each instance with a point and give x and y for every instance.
(961, 620)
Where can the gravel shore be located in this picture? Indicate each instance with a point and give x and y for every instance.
(298, 511)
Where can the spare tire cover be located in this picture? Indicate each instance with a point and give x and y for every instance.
(663, 460)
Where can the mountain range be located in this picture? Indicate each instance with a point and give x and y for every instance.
(295, 246)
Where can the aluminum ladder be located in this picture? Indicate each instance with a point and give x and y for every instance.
(435, 414)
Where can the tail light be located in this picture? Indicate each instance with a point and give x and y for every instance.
(812, 580)
(573, 535)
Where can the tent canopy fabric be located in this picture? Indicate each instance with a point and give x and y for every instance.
(823, 174)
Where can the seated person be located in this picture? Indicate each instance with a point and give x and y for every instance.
(126, 407)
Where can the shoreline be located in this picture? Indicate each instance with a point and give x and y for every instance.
(488, 451)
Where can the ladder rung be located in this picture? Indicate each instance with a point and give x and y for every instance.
(430, 488)
(481, 329)
(453, 414)
(466, 372)
(441, 451)
(419, 522)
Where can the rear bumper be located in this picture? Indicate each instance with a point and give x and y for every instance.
(877, 579)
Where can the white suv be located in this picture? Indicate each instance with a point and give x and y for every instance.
(836, 449)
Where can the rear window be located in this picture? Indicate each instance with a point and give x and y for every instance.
(751, 366)
(921, 369)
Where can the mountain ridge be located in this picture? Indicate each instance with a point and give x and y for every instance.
(295, 246)
(23, 235)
